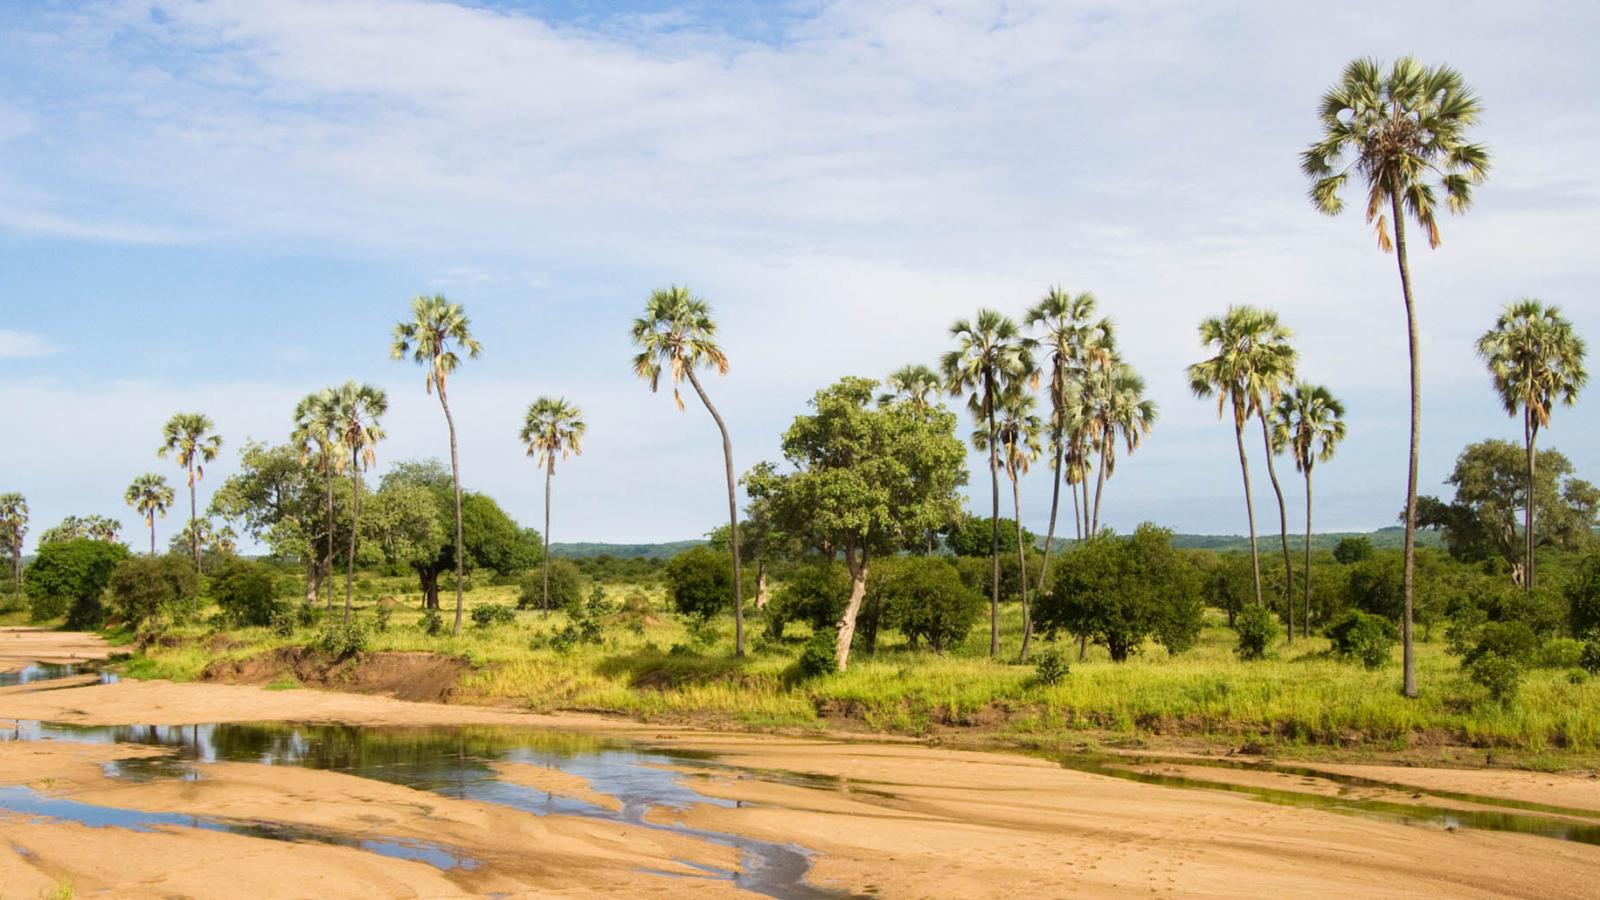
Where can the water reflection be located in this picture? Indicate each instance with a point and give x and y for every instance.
(37, 672)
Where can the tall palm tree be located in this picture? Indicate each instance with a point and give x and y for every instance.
(190, 438)
(360, 408)
(678, 335)
(1250, 347)
(1309, 422)
(316, 429)
(1275, 362)
(551, 426)
(1120, 410)
(150, 496)
(13, 528)
(991, 355)
(1400, 131)
(1017, 429)
(1074, 342)
(436, 330)
(915, 385)
(1536, 360)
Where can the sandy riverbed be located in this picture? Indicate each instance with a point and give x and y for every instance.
(892, 819)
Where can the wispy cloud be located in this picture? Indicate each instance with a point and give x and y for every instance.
(24, 345)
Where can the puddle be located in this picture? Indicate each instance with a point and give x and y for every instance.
(457, 762)
(34, 673)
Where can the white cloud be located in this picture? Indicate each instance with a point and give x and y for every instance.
(24, 345)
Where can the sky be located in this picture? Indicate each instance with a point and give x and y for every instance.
(222, 206)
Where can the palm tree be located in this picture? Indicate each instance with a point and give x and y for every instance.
(914, 385)
(316, 428)
(1120, 409)
(1309, 422)
(437, 327)
(13, 528)
(677, 333)
(360, 406)
(1251, 354)
(191, 440)
(1275, 362)
(551, 426)
(1400, 131)
(991, 354)
(1017, 429)
(150, 496)
(1536, 360)
(1075, 343)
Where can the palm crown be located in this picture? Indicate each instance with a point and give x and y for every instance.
(191, 441)
(1119, 409)
(437, 328)
(1308, 421)
(553, 426)
(1016, 431)
(13, 519)
(316, 428)
(913, 385)
(1400, 130)
(676, 334)
(991, 353)
(1253, 361)
(150, 496)
(360, 406)
(1535, 359)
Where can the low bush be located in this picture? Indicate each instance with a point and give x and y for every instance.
(1500, 675)
(1257, 629)
(820, 656)
(1363, 636)
(143, 588)
(487, 615)
(566, 586)
(432, 623)
(244, 590)
(1561, 653)
(1051, 668)
(69, 577)
(1589, 659)
(343, 639)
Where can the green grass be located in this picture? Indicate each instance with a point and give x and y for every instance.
(1299, 697)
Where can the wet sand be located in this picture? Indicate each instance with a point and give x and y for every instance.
(892, 819)
(21, 647)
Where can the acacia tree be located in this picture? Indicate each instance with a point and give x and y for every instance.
(1017, 430)
(1309, 422)
(436, 329)
(190, 438)
(150, 496)
(360, 407)
(13, 528)
(1402, 132)
(991, 355)
(316, 430)
(1536, 361)
(551, 426)
(678, 335)
(1252, 355)
(865, 479)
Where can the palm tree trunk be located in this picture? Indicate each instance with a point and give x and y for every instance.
(355, 519)
(1100, 480)
(1249, 507)
(1050, 531)
(1087, 531)
(733, 514)
(152, 521)
(194, 533)
(1022, 567)
(1530, 433)
(1408, 576)
(1305, 626)
(327, 562)
(1283, 523)
(1077, 521)
(994, 524)
(455, 479)
(549, 474)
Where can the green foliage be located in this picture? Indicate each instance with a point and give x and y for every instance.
(244, 591)
(488, 615)
(585, 626)
(1561, 653)
(1363, 636)
(819, 656)
(927, 600)
(1352, 549)
(1589, 659)
(1117, 592)
(1500, 675)
(814, 592)
(144, 587)
(1051, 668)
(432, 623)
(700, 582)
(69, 577)
(1582, 593)
(566, 586)
(380, 620)
(971, 536)
(342, 639)
(1257, 629)
(1230, 584)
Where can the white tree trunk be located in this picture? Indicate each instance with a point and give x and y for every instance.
(847, 622)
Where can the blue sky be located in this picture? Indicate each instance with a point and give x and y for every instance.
(221, 206)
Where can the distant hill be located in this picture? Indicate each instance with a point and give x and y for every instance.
(585, 550)
(1382, 539)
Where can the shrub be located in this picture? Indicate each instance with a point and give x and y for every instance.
(243, 590)
(342, 639)
(432, 623)
(283, 624)
(380, 623)
(1501, 675)
(306, 614)
(486, 615)
(700, 582)
(1561, 653)
(1582, 594)
(1051, 668)
(1589, 660)
(143, 587)
(1257, 628)
(1514, 641)
(1577, 676)
(927, 600)
(1352, 549)
(68, 577)
(820, 656)
(1363, 636)
(566, 586)
(1118, 591)
(814, 593)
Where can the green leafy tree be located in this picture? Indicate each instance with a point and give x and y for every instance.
(698, 582)
(1309, 422)
(70, 577)
(316, 437)
(1352, 550)
(551, 427)
(13, 528)
(1401, 132)
(677, 335)
(1536, 361)
(150, 496)
(556, 582)
(927, 600)
(360, 408)
(436, 330)
(245, 592)
(277, 500)
(968, 536)
(142, 588)
(865, 482)
(1120, 591)
(991, 356)
(192, 441)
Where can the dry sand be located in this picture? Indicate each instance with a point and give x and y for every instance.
(21, 646)
(892, 819)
